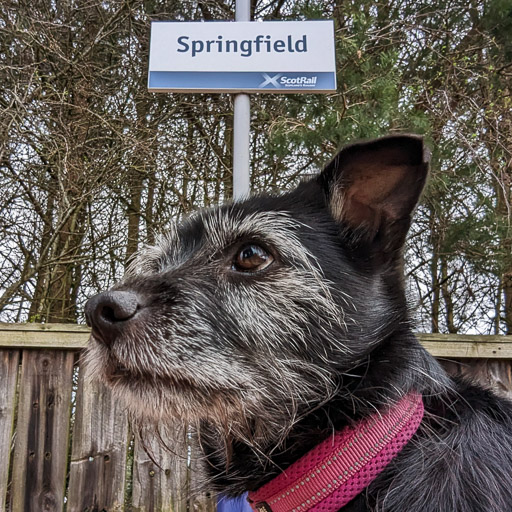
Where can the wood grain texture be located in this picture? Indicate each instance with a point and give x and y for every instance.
(99, 450)
(75, 337)
(491, 373)
(42, 431)
(470, 338)
(469, 350)
(54, 336)
(9, 364)
(467, 345)
(160, 472)
(198, 502)
(44, 328)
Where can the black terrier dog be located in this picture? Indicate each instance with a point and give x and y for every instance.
(278, 327)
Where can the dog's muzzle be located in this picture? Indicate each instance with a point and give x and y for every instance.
(110, 313)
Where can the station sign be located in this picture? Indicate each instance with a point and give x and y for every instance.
(252, 56)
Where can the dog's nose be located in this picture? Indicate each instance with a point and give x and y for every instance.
(108, 313)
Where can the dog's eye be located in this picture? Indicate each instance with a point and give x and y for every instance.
(252, 258)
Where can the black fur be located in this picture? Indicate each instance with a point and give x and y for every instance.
(352, 220)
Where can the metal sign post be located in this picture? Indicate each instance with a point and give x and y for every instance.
(241, 125)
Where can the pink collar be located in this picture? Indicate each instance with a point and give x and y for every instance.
(339, 468)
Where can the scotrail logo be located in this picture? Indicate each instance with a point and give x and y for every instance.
(281, 81)
(270, 80)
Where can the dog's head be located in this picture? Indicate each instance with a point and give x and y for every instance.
(251, 315)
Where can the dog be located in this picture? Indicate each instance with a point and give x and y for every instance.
(278, 327)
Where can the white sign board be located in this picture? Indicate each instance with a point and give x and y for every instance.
(273, 56)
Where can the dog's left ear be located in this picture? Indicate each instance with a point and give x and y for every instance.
(372, 187)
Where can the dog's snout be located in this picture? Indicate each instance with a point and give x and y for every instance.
(109, 312)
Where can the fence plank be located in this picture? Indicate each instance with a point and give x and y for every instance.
(42, 431)
(69, 336)
(98, 457)
(491, 373)
(41, 336)
(160, 487)
(9, 363)
(467, 346)
(198, 502)
(44, 328)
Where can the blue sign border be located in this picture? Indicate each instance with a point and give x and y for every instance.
(265, 82)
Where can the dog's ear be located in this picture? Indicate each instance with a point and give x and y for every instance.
(372, 187)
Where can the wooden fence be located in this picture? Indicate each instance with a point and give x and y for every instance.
(65, 445)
